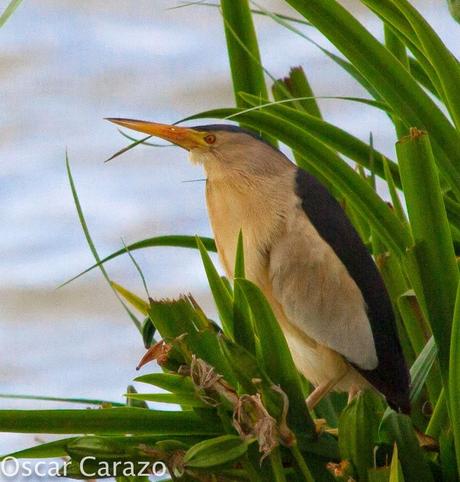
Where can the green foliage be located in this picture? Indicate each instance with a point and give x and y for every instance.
(240, 400)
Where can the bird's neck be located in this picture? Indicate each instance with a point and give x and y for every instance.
(253, 205)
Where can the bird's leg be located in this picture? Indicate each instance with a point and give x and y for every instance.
(322, 390)
(319, 393)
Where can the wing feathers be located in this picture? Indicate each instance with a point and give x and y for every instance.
(345, 329)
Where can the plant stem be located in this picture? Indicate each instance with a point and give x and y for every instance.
(250, 470)
(301, 463)
(277, 466)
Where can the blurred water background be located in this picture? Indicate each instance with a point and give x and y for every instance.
(64, 66)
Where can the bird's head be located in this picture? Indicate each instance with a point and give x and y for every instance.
(222, 149)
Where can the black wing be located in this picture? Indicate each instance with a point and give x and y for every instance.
(391, 377)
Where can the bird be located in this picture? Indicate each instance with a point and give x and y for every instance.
(303, 252)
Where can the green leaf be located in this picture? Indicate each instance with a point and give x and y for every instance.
(396, 202)
(347, 66)
(222, 297)
(216, 451)
(442, 60)
(85, 401)
(148, 332)
(132, 402)
(105, 448)
(246, 74)
(439, 419)
(168, 381)
(131, 298)
(335, 138)
(434, 249)
(243, 51)
(173, 318)
(46, 450)
(397, 428)
(422, 78)
(182, 398)
(298, 86)
(106, 421)
(421, 369)
(358, 429)
(239, 258)
(9, 10)
(380, 474)
(396, 474)
(454, 8)
(276, 357)
(176, 241)
(447, 455)
(454, 379)
(244, 366)
(242, 317)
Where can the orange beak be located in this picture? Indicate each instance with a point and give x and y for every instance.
(181, 136)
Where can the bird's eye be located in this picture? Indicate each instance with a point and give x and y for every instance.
(210, 138)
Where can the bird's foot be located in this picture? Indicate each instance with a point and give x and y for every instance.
(321, 426)
(354, 390)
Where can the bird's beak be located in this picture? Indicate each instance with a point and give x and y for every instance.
(181, 136)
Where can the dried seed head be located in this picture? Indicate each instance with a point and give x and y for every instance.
(175, 463)
(287, 436)
(251, 419)
(209, 383)
(342, 469)
(158, 352)
(203, 375)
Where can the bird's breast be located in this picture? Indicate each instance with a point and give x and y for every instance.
(256, 213)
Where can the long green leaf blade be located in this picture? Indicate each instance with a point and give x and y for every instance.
(175, 241)
(433, 242)
(276, 357)
(222, 297)
(454, 379)
(107, 421)
(442, 60)
(9, 10)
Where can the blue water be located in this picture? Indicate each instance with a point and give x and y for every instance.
(64, 66)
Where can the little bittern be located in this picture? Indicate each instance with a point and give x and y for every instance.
(303, 252)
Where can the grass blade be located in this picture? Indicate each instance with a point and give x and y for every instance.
(176, 241)
(9, 10)
(86, 401)
(91, 245)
